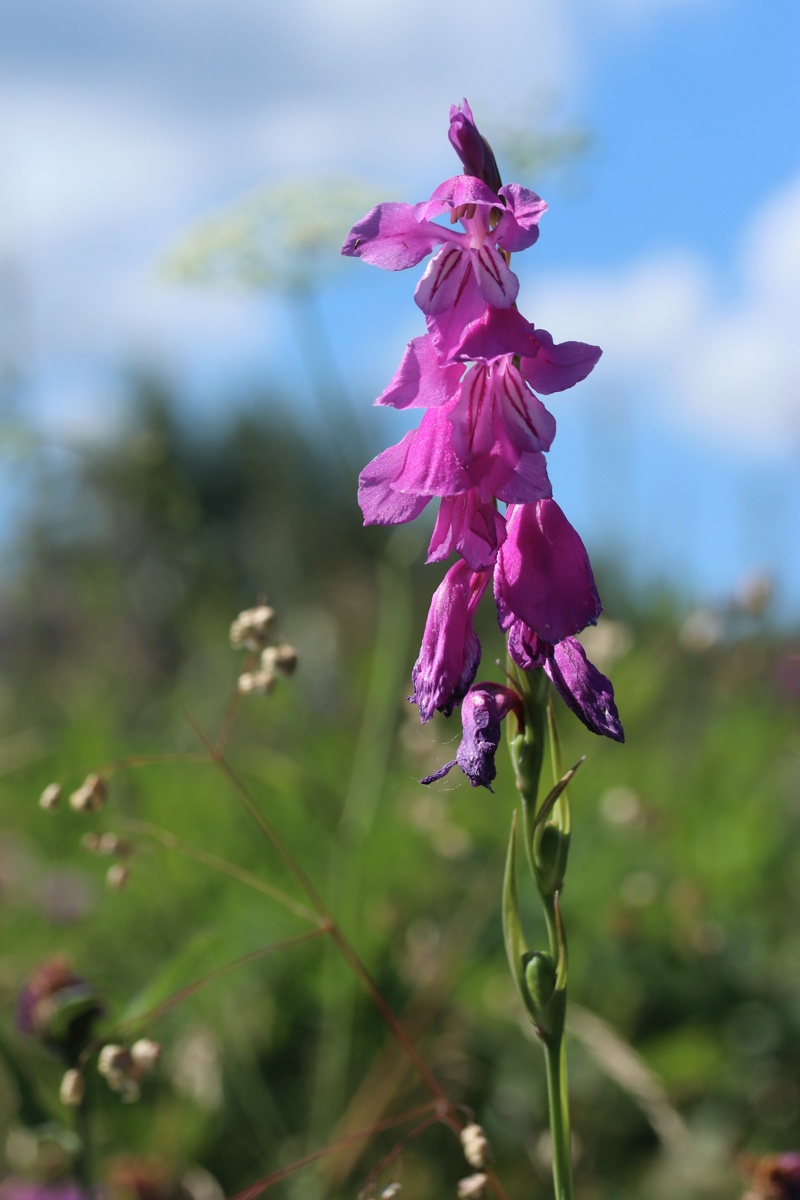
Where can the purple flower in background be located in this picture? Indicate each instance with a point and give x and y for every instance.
(483, 709)
(774, 1177)
(471, 147)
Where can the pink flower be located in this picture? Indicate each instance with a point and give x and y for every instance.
(450, 652)
(543, 575)
(470, 270)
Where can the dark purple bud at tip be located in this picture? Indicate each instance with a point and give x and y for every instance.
(474, 151)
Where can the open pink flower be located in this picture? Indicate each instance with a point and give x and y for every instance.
(470, 270)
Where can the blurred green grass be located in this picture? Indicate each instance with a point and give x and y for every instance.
(682, 900)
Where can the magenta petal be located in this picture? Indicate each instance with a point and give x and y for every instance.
(518, 228)
(498, 283)
(444, 279)
(453, 193)
(422, 380)
(528, 483)
(449, 327)
(553, 368)
(389, 236)
(543, 576)
(380, 504)
(584, 689)
(469, 526)
(524, 647)
(430, 467)
(528, 424)
(497, 332)
(450, 652)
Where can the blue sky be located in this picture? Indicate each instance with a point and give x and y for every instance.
(675, 243)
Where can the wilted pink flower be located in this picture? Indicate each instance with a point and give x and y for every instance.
(450, 652)
(483, 709)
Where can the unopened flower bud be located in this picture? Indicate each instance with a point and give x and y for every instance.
(50, 797)
(391, 1191)
(72, 1089)
(282, 658)
(259, 683)
(145, 1054)
(90, 796)
(117, 876)
(476, 1146)
(251, 629)
(473, 1187)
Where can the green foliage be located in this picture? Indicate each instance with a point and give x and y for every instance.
(682, 898)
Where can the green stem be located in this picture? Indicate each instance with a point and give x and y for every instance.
(546, 831)
(556, 1064)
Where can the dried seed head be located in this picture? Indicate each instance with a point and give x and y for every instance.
(50, 797)
(476, 1146)
(72, 1089)
(117, 876)
(90, 796)
(111, 843)
(145, 1055)
(113, 1059)
(117, 1067)
(259, 683)
(473, 1187)
(251, 629)
(282, 658)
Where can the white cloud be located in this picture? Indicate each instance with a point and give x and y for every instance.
(725, 369)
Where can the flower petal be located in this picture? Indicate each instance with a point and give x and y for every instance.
(553, 368)
(445, 277)
(497, 332)
(543, 576)
(450, 651)
(380, 503)
(391, 237)
(584, 689)
(430, 467)
(423, 379)
(518, 228)
(470, 526)
(453, 194)
(498, 283)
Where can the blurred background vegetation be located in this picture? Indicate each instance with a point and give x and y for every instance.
(127, 565)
